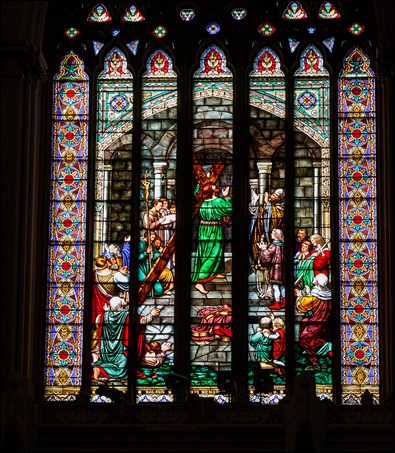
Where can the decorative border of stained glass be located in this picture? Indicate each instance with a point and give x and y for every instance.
(66, 261)
(358, 229)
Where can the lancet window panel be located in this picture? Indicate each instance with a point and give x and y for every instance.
(67, 241)
(211, 277)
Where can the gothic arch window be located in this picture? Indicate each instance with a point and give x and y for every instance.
(67, 242)
(358, 221)
(212, 252)
(213, 203)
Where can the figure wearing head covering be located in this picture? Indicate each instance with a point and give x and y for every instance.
(315, 336)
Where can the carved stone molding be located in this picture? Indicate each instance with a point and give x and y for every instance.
(19, 60)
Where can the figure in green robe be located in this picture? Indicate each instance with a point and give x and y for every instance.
(114, 342)
(304, 266)
(210, 257)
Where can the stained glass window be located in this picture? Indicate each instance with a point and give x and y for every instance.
(211, 307)
(356, 28)
(328, 11)
(187, 14)
(111, 247)
(358, 229)
(266, 291)
(329, 43)
(216, 213)
(66, 262)
(97, 46)
(132, 14)
(312, 222)
(99, 14)
(160, 31)
(293, 44)
(133, 46)
(266, 29)
(294, 11)
(157, 255)
(239, 13)
(71, 32)
(213, 28)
